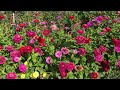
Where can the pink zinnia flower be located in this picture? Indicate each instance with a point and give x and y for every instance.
(30, 33)
(62, 66)
(2, 60)
(58, 54)
(65, 50)
(98, 58)
(15, 53)
(11, 75)
(9, 48)
(32, 41)
(70, 66)
(16, 59)
(75, 51)
(43, 23)
(102, 33)
(1, 47)
(80, 39)
(82, 51)
(53, 27)
(80, 31)
(22, 68)
(17, 38)
(48, 59)
(117, 49)
(102, 49)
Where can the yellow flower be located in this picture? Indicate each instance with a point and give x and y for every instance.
(25, 63)
(22, 76)
(44, 74)
(35, 74)
(31, 76)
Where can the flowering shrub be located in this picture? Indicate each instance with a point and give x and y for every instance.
(60, 45)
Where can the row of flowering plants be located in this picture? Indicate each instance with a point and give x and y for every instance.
(60, 45)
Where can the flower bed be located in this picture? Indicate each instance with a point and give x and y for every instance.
(60, 45)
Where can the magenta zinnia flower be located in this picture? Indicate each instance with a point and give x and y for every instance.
(30, 33)
(102, 49)
(17, 38)
(11, 75)
(65, 50)
(22, 68)
(97, 52)
(9, 48)
(48, 59)
(2, 60)
(117, 49)
(62, 66)
(15, 53)
(98, 58)
(32, 41)
(58, 54)
(70, 66)
(82, 51)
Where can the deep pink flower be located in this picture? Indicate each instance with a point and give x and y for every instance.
(97, 52)
(65, 50)
(2, 60)
(62, 66)
(70, 66)
(117, 49)
(102, 49)
(94, 75)
(98, 58)
(30, 33)
(80, 39)
(28, 49)
(46, 32)
(48, 59)
(9, 48)
(80, 31)
(15, 53)
(1, 47)
(82, 51)
(85, 26)
(11, 75)
(22, 68)
(75, 51)
(58, 54)
(17, 38)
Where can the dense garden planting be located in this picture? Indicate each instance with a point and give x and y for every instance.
(60, 45)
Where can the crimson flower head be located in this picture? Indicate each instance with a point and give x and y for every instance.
(36, 21)
(85, 26)
(94, 75)
(71, 17)
(28, 49)
(2, 17)
(22, 25)
(46, 32)
(105, 65)
(87, 40)
(1, 47)
(63, 73)
(22, 50)
(82, 51)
